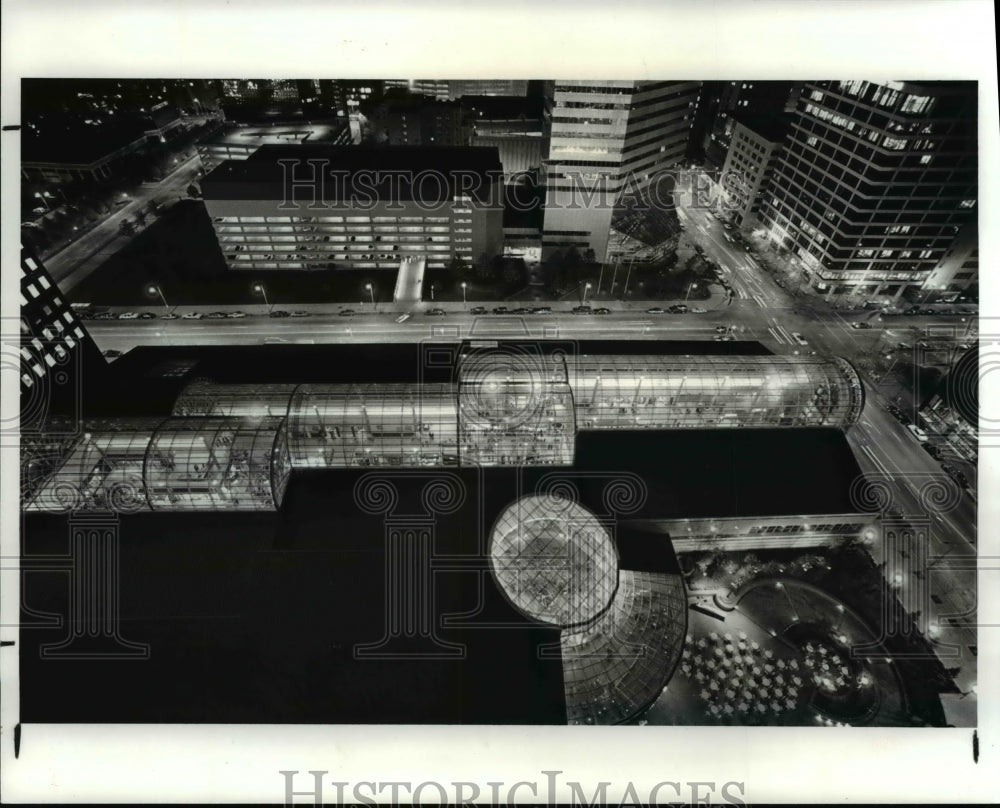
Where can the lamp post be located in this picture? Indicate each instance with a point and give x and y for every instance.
(39, 195)
(464, 300)
(586, 288)
(155, 290)
(690, 287)
(259, 289)
(628, 275)
(371, 291)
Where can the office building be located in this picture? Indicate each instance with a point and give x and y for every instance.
(875, 182)
(366, 208)
(453, 89)
(761, 105)
(401, 119)
(608, 139)
(514, 125)
(753, 151)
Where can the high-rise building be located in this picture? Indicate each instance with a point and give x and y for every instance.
(753, 151)
(762, 105)
(608, 138)
(402, 119)
(874, 183)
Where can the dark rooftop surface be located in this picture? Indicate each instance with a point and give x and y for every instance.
(262, 176)
(501, 107)
(67, 138)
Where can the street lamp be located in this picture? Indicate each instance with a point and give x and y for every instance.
(155, 290)
(690, 287)
(586, 288)
(628, 275)
(259, 289)
(38, 195)
(464, 300)
(371, 291)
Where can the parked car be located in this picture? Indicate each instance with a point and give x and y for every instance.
(542, 310)
(236, 315)
(932, 450)
(917, 432)
(602, 310)
(192, 315)
(216, 315)
(678, 308)
(346, 312)
(478, 310)
(435, 312)
(105, 315)
(722, 329)
(698, 310)
(501, 310)
(279, 313)
(861, 325)
(170, 316)
(799, 338)
(521, 310)
(299, 313)
(111, 353)
(654, 310)
(724, 338)
(582, 310)
(146, 315)
(129, 315)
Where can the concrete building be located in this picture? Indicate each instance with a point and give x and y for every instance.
(957, 270)
(318, 206)
(401, 119)
(514, 125)
(874, 184)
(608, 138)
(752, 153)
(759, 104)
(453, 89)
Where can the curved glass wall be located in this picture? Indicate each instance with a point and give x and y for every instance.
(616, 666)
(698, 392)
(341, 425)
(100, 470)
(220, 464)
(515, 409)
(205, 397)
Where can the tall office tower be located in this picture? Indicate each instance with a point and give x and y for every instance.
(874, 183)
(608, 138)
(763, 105)
(453, 89)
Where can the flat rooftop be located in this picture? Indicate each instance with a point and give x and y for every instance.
(428, 174)
(277, 134)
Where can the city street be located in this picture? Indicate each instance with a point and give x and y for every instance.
(78, 259)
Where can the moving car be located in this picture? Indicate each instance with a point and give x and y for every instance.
(799, 338)
(678, 308)
(724, 338)
(722, 329)
(861, 325)
(917, 432)
(111, 353)
(403, 317)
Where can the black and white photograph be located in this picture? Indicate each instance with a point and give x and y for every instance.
(582, 402)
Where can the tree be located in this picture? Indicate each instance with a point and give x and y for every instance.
(127, 227)
(140, 217)
(193, 192)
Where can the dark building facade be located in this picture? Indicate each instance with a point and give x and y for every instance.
(876, 181)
